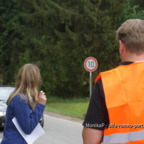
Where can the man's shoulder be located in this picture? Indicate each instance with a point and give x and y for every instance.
(99, 76)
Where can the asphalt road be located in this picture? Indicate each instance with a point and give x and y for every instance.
(60, 130)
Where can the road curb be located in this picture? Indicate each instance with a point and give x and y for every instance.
(63, 116)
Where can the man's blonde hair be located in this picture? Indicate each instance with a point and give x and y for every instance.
(131, 33)
(27, 84)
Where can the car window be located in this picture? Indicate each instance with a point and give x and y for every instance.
(5, 93)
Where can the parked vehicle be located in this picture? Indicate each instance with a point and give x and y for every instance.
(5, 92)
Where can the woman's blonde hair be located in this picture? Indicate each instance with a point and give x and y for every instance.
(27, 84)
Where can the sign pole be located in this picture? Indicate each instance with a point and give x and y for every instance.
(90, 84)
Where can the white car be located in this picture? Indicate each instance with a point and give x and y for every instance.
(5, 92)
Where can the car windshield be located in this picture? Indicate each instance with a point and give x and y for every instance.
(5, 93)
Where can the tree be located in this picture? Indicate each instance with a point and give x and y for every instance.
(58, 35)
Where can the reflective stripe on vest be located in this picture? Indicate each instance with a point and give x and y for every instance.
(124, 137)
(124, 96)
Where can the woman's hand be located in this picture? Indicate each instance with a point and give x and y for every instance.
(41, 98)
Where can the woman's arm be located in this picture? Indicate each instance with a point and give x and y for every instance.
(26, 117)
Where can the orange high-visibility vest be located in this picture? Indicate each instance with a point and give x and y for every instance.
(124, 96)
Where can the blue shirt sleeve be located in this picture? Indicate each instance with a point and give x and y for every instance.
(26, 117)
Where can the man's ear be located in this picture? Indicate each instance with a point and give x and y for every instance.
(121, 47)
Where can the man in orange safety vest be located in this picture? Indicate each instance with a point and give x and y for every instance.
(116, 110)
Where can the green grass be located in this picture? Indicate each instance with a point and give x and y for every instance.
(71, 107)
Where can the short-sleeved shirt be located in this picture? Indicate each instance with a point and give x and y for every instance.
(97, 113)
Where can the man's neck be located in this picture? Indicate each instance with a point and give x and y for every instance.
(133, 58)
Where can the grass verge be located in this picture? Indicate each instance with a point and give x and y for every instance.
(71, 107)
